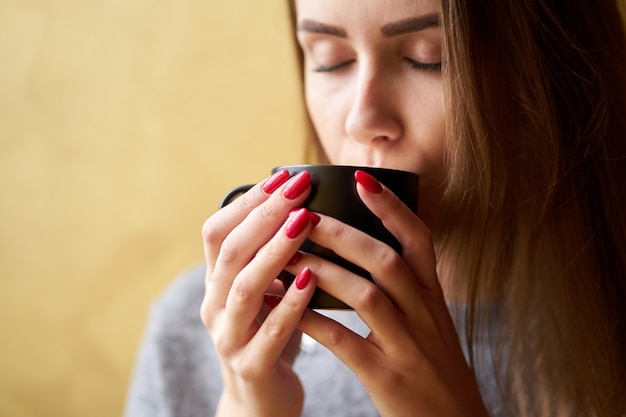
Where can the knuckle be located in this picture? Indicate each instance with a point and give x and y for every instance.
(241, 292)
(219, 343)
(207, 315)
(338, 233)
(248, 370)
(249, 201)
(224, 346)
(272, 251)
(229, 252)
(211, 231)
(334, 337)
(267, 211)
(274, 329)
(389, 260)
(369, 299)
(292, 305)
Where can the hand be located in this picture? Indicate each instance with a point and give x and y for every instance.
(246, 245)
(412, 362)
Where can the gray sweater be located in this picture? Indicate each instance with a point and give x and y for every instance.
(177, 372)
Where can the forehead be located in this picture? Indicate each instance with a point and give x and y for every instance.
(360, 13)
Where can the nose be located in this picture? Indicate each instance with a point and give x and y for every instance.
(373, 116)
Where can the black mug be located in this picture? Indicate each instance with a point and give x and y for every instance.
(334, 194)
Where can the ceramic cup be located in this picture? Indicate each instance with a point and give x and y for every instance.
(334, 194)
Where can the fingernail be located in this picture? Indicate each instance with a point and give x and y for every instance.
(303, 278)
(368, 182)
(297, 223)
(297, 185)
(315, 219)
(272, 300)
(275, 181)
(295, 258)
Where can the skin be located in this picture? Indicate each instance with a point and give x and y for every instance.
(382, 105)
(377, 101)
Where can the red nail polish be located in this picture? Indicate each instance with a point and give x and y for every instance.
(297, 185)
(297, 223)
(368, 182)
(295, 258)
(303, 278)
(272, 300)
(315, 219)
(275, 181)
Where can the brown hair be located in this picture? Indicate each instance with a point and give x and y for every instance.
(535, 202)
(537, 168)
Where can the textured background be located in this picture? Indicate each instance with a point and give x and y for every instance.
(122, 122)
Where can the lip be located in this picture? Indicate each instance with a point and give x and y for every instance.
(377, 161)
(398, 167)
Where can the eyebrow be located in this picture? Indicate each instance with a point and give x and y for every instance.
(312, 26)
(413, 24)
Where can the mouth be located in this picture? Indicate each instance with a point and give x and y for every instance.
(376, 160)
(392, 165)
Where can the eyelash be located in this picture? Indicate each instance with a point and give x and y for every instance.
(418, 66)
(331, 68)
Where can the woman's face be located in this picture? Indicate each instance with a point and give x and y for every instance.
(373, 82)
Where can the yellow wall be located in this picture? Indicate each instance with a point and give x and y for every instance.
(122, 122)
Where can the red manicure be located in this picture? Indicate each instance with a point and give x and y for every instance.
(295, 258)
(315, 219)
(272, 300)
(275, 181)
(303, 278)
(297, 223)
(297, 185)
(368, 182)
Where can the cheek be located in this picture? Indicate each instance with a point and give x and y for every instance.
(428, 112)
(327, 118)
(436, 130)
(426, 129)
(437, 145)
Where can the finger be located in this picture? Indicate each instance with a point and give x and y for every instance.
(276, 288)
(217, 227)
(413, 234)
(349, 347)
(241, 245)
(418, 251)
(368, 300)
(389, 271)
(391, 329)
(275, 332)
(247, 294)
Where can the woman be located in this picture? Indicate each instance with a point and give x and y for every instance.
(512, 115)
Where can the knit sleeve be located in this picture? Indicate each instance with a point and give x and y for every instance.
(177, 370)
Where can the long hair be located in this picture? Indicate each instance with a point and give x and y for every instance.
(536, 162)
(535, 200)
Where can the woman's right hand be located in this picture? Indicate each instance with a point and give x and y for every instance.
(247, 244)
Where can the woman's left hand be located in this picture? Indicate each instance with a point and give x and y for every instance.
(411, 363)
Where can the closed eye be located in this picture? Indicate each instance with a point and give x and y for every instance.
(331, 68)
(423, 66)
